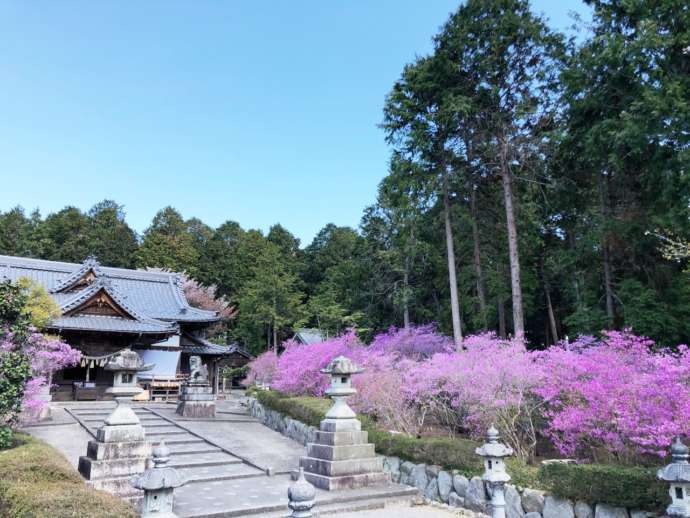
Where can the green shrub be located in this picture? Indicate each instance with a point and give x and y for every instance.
(309, 410)
(623, 486)
(452, 453)
(632, 487)
(38, 482)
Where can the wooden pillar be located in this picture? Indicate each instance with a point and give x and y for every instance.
(215, 377)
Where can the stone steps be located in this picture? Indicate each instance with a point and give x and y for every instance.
(219, 473)
(163, 434)
(192, 447)
(200, 462)
(144, 418)
(221, 458)
(177, 440)
(257, 498)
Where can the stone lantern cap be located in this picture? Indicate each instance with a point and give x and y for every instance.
(127, 360)
(342, 365)
(679, 468)
(301, 496)
(301, 491)
(493, 448)
(160, 476)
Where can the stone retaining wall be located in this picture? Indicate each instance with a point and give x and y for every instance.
(452, 488)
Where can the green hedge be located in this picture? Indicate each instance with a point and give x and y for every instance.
(450, 453)
(37, 482)
(622, 486)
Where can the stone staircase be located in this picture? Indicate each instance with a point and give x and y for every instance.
(196, 459)
(221, 484)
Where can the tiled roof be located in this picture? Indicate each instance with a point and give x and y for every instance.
(151, 296)
(308, 336)
(196, 345)
(139, 322)
(109, 323)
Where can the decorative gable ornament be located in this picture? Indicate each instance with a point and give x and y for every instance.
(82, 277)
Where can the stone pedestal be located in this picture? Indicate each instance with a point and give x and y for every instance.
(119, 452)
(341, 457)
(196, 400)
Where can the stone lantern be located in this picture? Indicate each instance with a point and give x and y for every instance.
(495, 474)
(342, 457)
(158, 484)
(677, 474)
(125, 367)
(301, 496)
(120, 449)
(341, 370)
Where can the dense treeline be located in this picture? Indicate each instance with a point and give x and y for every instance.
(530, 180)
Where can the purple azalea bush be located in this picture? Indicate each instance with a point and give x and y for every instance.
(46, 355)
(298, 370)
(620, 395)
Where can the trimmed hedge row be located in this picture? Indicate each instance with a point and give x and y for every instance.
(37, 482)
(449, 453)
(632, 487)
(621, 486)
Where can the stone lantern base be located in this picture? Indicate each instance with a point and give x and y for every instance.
(119, 451)
(196, 400)
(341, 457)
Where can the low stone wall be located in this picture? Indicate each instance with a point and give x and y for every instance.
(295, 430)
(452, 488)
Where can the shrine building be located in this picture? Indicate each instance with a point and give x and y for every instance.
(104, 310)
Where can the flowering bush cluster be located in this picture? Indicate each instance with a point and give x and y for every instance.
(47, 355)
(619, 395)
(298, 368)
(27, 359)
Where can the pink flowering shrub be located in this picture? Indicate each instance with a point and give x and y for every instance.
(298, 370)
(617, 396)
(47, 355)
(491, 382)
(415, 342)
(262, 369)
(382, 394)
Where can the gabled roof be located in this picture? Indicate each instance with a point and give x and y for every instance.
(151, 296)
(308, 336)
(127, 319)
(196, 345)
(90, 265)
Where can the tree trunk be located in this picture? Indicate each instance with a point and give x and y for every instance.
(406, 305)
(515, 284)
(501, 318)
(606, 255)
(275, 338)
(454, 303)
(552, 317)
(481, 294)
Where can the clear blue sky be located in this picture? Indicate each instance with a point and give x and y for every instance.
(254, 111)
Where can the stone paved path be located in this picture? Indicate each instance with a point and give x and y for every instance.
(225, 460)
